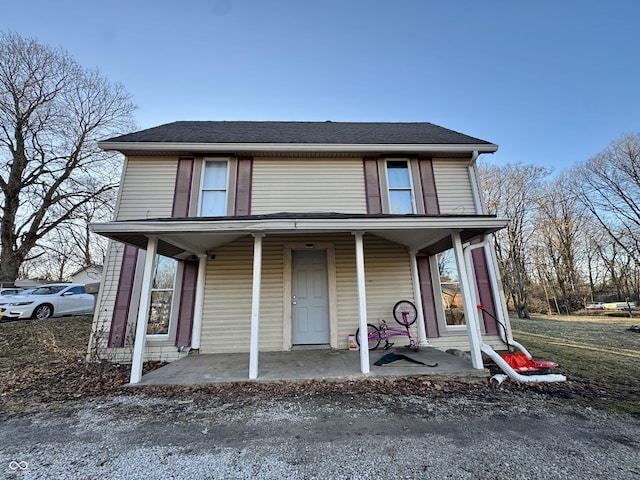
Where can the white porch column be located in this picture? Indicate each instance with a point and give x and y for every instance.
(468, 296)
(417, 294)
(255, 305)
(199, 300)
(362, 304)
(143, 311)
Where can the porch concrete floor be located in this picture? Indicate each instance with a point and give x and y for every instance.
(334, 365)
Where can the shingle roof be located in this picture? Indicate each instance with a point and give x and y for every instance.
(353, 133)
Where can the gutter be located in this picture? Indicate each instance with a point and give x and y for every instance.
(292, 224)
(407, 148)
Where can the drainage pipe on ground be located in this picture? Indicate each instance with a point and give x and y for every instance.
(511, 373)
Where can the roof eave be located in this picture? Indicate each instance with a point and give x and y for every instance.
(279, 225)
(297, 147)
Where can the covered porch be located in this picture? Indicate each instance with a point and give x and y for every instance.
(195, 238)
(307, 365)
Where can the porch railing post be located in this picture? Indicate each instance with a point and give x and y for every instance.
(468, 298)
(422, 330)
(362, 304)
(196, 330)
(255, 305)
(143, 311)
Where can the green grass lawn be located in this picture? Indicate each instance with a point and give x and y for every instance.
(599, 356)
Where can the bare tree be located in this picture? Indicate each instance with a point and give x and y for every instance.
(609, 186)
(594, 239)
(512, 191)
(558, 226)
(52, 112)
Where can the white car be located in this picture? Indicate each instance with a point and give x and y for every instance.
(10, 291)
(54, 300)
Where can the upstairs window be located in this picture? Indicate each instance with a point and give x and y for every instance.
(400, 188)
(213, 199)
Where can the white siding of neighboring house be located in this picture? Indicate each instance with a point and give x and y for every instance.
(147, 188)
(453, 185)
(87, 275)
(307, 185)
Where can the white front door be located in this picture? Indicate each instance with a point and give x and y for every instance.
(310, 299)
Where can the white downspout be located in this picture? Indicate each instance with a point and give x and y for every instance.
(497, 292)
(494, 272)
(511, 373)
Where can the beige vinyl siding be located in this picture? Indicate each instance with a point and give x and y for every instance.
(102, 320)
(147, 188)
(453, 185)
(388, 280)
(461, 342)
(106, 300)
(226, 321)
(307, 185)
(227, 305)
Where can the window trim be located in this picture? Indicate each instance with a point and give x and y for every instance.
(441, 314)
(227, 189)
(411, 188)
(170, 326)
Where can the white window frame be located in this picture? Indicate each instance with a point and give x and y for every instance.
(164, 336)
(441, 304)
(201, 190)
(411, 186)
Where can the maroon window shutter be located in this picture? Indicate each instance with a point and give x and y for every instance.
(187, 304)
(182, 190)
(428, 298)
(429, 193)
(181, 201)
(372, 185)
(485, 291)
(123, 297)
(243, 186)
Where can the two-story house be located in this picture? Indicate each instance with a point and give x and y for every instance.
(272, 236)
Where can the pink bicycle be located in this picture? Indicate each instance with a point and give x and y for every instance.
(405, 313)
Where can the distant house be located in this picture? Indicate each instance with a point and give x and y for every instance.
(272, 236)
(89, 274)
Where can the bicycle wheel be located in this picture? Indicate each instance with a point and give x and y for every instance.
(373, 336)
(405, 312)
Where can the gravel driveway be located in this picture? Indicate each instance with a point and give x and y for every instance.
(503, 435)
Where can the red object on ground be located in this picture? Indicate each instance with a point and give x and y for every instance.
(521, 363)
(545, 363)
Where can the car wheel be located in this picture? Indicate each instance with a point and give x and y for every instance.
(43, 311)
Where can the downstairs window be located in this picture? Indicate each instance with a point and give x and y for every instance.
(162, 296)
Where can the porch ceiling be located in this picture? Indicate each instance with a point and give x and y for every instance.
(183, 237)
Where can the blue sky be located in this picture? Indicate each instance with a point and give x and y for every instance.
(552, 82)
